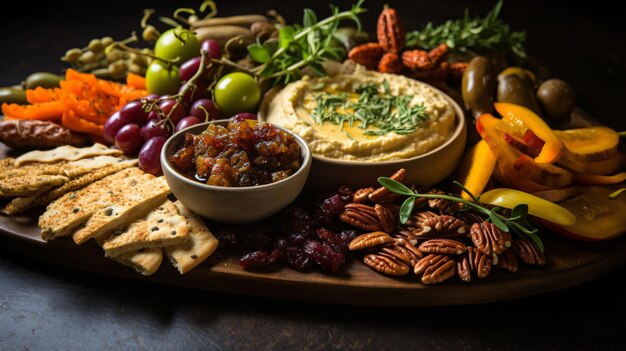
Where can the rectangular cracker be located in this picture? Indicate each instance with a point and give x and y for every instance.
(162, 227)
(75, 208)
(144, 261)
(33, 169)
(129, 206)
(199, 247)
(77, 168)
(29, 184)
(21, 204)
(66, 153)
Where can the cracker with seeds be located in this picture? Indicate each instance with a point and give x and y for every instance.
(21, 204)
(33, 169)
(74, 169)
(162, 227)
(144, 261)
(74, 208)
(66, 153)
(199, 247)
(131, 205)
(29, 184)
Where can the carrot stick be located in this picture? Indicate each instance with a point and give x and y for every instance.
(45, 111)
(136, 81)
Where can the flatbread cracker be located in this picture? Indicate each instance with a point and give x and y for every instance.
(199, 247)
(66, 153)
(75, 208)
(144, 261)
(7, 163)
(33, 169)
(29, 184)
(131, 205)
(162, 227)
(21, 204)
(77, 168)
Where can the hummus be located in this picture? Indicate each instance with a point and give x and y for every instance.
(399, 117)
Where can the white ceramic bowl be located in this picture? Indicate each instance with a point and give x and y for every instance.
(232, 204)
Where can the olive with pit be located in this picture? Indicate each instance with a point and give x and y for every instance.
(513, 90)
(478, 86)
(43, 79)
(12, 96)
(528, 77)
(557, 99)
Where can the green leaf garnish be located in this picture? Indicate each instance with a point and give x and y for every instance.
(406, 209)
(395, 186)
(258, 53)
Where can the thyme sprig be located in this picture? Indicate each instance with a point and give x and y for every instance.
(488, 33)
(515, 223)
(302, 46)
(384, 112)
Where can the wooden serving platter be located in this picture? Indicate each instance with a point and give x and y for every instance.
(569, 263)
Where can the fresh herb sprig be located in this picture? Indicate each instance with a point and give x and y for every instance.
(385, 112)
(488, 33)
(302, 46)
(515, 223)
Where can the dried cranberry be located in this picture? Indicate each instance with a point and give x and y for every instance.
(279, 252)
(295, 212)
(332, 239)
(298, 237)
(346, 194)
(255, 260)
(228, 237)
(333, 205)
(324, 255)
(259, 238)
(297, 259)
(348, 235)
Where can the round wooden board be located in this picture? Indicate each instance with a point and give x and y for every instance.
(569, 263)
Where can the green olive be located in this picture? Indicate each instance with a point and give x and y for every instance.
(43, 79)
(557, 99)
(72, 55)
(114, 55)
(513, 90)
(478, 86)
(102, 73)
(87, 57)
(106, 41)
(12, 96)
(528, 77)
(96, 46)
(117, 68)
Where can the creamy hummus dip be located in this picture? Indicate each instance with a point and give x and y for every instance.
(364, 116)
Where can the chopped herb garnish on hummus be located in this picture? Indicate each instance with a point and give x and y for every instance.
(367, 108)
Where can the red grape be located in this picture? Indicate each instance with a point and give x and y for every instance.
(112, 126)
(244, 115)
(212, 47)
(153, 129)
(151, 97)
(153, 115)
(200, 92)
(150, 155)
(177, 114)
(128, 138)
(187, 122)
(208, 105)
(133, 112)
(189, 68)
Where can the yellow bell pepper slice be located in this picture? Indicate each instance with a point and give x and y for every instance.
(589, 144)
(476, 169)
(523, 119)
(538, 207)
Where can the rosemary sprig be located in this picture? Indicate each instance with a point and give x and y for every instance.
(302, 46)
(515, 223)
(488, 33)
(384, 112)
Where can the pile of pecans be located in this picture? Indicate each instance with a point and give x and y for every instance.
(438, 241)
(388, 55)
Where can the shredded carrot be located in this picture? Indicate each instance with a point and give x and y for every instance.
(82, 103)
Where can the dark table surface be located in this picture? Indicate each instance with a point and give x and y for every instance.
(43, 306)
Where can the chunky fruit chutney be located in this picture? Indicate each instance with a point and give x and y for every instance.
(241, 154)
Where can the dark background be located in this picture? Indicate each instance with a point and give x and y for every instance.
(47, 307)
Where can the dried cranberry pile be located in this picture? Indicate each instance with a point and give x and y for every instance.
(239, 154)
(304, 235)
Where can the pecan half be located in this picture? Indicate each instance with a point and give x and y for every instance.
(367, 55)
(384, 195)
(442, 246)
(435, 268)
(386, 218)
(488, 238)
(417, 60)
(360, 216)
(390, 63)
(444, 206)
(369, 240)
(479, 262)
(508, 261)
(417, 219)
(528, 252)
(438, 53)
(360, 196)
(463, 269)
(443, 224)
(390, 31)
(386, 264)
(406, 235)
(409, 249)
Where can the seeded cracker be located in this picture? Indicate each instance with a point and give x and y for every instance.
(66, 153)
(29, 184)
(144, 261)
(199, 247)
(161, 227)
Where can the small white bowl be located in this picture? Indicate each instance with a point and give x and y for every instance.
(237, 205)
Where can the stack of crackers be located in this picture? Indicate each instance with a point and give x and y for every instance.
(94, 193)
